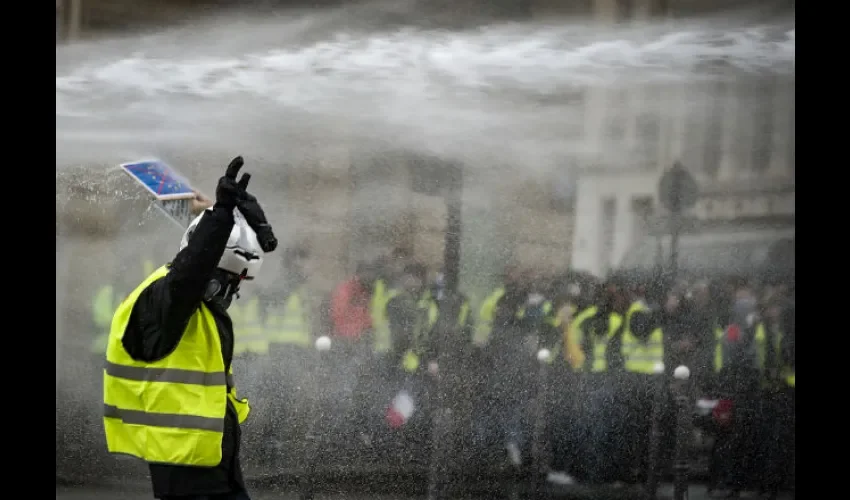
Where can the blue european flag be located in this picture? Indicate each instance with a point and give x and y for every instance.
(160, 179)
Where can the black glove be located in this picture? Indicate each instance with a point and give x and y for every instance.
(228, 191)
(256, 218)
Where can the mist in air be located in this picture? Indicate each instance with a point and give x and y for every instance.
(510, 100)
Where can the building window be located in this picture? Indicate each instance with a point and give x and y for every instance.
(648, 127)
(696, 123)
(607, 232)
(714, 132)
(763, 124)
(642, 208)
(648, 132)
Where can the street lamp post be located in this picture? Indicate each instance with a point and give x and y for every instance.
(443, 425)
(678, 192)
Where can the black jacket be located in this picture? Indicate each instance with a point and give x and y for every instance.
(155, 328)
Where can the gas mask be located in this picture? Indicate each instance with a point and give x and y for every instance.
(222, 287)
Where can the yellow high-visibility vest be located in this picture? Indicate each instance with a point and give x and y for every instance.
(103, 306)
(719, 338)
(169, 411)
(249, 331)
(289, 324)
(486, 315)
(641, 356)
(599, 343)
(574, 338)
(761, 345)
(562, 320)
(381, 296)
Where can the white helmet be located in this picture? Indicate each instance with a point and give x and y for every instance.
(242, 255)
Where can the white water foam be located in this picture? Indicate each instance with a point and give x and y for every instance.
(423, 64)
(497, 90)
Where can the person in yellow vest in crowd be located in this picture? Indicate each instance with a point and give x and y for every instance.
(735, 467)
(289, 333)
(288, 316)
(428, 344)
(387, 270)
(104, 303)
(251, 341)
(403, 316)
(643, 361)
(522, 324)
(382, 294)
(788, 406)
(487, 310)
(563, 357)
(410, 316)
(599, 330)
(169, 392)
(774, 358)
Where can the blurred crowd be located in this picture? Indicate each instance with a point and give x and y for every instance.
(396, 331)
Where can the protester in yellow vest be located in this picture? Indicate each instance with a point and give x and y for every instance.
(169, 394)
(288, 320)
(643, 341)
(408, 318)
(104, 302)
(251, 338)
(381, 297)
(487, 311)
(424, 345)
(385, 271)
(103, 307)
(486, 315)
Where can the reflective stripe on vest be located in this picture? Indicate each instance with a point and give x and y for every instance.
(486, 315)
(248, 329)
(289, 325)
(381, 296)
(169, 411)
